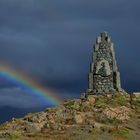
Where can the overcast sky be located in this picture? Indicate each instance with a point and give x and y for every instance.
(51, 42)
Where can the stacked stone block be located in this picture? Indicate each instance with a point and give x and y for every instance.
(104, 77)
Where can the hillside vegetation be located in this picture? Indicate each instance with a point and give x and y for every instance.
(95, 118)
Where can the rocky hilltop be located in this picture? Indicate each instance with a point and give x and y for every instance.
(110, 117)
(104, 112)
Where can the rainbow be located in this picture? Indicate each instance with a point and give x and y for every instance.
(30, 86)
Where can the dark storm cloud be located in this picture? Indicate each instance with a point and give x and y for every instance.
(80, 21)
(51, 40)
(15, 97)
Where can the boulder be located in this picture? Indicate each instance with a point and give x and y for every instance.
(76, 104)
(91, 99)
(83, 95)
(79, 118)
(135, 95)
(35, 118)
(118, 113)
(109, 96)
(128, 97)
(32, 128)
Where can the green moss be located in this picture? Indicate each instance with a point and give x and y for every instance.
(69, 104)
(84, 108)
(51, 110)
(136, 103)
(81, 108)
(123, 133)
(102, 103)
(15, 135)
(115, 101)
(132, 114)
(120, 100)
(113, 122)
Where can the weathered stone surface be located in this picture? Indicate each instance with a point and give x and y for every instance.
(32, 128)
(91, 99)
(79, 118)
(109, 96)
(104, 77)
(135, 95)
(118, 113)
(96, 113)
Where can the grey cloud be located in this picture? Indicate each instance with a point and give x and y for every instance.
(51, 40)
(15, 97)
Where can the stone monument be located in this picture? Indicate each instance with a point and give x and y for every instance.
(104, 77)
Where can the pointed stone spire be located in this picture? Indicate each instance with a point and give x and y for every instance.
(104, 77)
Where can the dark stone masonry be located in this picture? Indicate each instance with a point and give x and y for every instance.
(104, 77)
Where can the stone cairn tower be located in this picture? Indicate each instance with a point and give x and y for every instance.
(104, 77)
